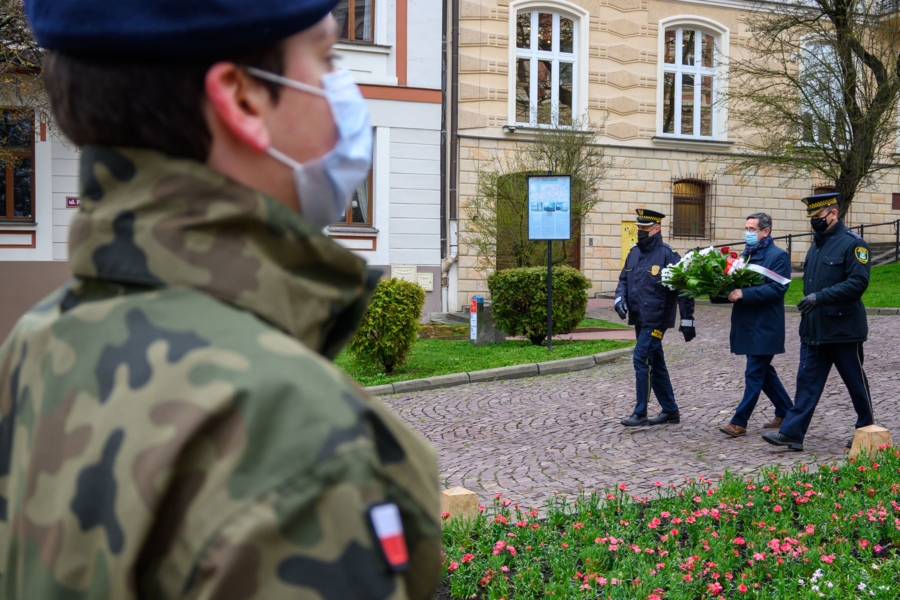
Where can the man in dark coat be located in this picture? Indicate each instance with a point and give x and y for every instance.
(757, 325)
(650, 307)
(833, 327)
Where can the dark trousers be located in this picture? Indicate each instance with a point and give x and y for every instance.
(815, 364)
(760, 376)
(650, 371)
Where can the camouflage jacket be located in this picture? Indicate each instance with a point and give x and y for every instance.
(170, 424)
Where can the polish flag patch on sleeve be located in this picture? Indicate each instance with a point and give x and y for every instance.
(388, 529)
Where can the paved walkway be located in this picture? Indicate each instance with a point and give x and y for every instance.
(528, 438)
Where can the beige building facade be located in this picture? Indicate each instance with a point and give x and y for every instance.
(652, 70)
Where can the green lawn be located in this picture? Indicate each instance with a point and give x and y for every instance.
(883, 292)
(589, 322)
(442, 357)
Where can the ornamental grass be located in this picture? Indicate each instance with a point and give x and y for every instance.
(829, 531)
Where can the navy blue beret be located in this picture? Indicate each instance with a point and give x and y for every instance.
(152, 29)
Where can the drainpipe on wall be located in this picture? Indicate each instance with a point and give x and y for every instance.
(445, 267)
(444, 101)
(453, 119)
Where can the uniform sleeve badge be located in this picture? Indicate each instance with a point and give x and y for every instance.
(388, 529)
(654, 270)
(862, 254)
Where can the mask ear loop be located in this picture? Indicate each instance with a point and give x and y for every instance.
(291, 83)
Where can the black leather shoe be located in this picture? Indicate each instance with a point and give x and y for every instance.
(849, 444)
(779, 439)
(635, 420)
(665, 417)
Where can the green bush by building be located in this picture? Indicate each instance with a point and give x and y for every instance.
(390, 325)
(519, 300)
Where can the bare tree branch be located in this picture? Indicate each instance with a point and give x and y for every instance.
(815, 94)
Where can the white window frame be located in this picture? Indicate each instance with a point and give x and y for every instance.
(579, 57)
(720, 111)
(805, 43)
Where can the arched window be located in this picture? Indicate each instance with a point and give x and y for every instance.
(690, 83)
(548, 71)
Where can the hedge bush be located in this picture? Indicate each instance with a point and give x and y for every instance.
(390, 324)
(519, 300)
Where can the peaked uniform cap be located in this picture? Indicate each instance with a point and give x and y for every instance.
(167, 29)
(649, 217)
(815, 204)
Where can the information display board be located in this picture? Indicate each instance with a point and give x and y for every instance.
(549, 204)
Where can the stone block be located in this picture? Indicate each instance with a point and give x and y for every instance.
(459, 502)
(514, 372)
(487, 331)
(566, 365)
(381, 390)
(431, 383)
(869, 438)
(611, 355)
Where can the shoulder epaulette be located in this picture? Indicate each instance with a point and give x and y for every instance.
(854, 234)
(668, 246)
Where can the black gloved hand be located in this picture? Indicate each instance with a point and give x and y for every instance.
(807, 304)
(621, 310)
(688, 332)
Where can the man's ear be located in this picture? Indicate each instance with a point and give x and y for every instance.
(238, 104)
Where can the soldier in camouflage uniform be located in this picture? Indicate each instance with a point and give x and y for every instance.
(171, 424)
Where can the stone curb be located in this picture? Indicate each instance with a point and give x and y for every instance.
(793, 309)
(552, 367)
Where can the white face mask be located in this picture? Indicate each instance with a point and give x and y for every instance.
(326, 184)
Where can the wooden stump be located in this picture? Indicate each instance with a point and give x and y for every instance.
(869, 438)
(459, 502)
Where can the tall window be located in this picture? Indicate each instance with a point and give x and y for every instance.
(689, 83)
(16, 165)
(545, 68)
(692, 207)
(360, 210)
(355, 20)
(820, 104)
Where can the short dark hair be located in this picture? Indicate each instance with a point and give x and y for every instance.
(156, 105)
(764, 221)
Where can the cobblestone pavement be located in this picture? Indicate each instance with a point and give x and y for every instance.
(528, 438)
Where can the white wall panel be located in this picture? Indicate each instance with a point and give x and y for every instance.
(424, 44)
(415, 167)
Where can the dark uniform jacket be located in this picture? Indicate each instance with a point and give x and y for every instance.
(837, 272)
(649, 302)
(757, 320)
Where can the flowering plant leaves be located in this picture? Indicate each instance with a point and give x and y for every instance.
(709, 273)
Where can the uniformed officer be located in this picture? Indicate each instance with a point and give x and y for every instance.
(833, 326)
(650, 307)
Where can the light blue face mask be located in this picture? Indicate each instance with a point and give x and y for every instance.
(752, 239)
(326, 184)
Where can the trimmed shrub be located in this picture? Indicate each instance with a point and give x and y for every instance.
(519, 300)
(390, 324)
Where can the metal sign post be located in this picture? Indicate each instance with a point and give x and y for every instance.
(549, 218)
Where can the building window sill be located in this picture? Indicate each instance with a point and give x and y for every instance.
(18, 223)
(691, 143)
(357, 230)
(532, 129)
(354, 46)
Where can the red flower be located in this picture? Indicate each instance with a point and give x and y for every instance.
(726, 250)
(734, 255)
